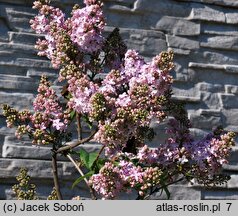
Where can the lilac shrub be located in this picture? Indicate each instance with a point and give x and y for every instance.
(118, 108)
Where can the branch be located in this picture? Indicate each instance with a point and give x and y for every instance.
(55, 175)
(76, 143)
(99, 153)
(82, 174)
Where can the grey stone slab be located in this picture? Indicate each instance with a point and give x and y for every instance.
(119, 19)
(219, 29)
(3, 30)
(119, 8)
(17, 48)
(17, 100)
(233, 159)
(183, 52)
(169, 8)
(232, 18)
(12, 70)
(160, 133)
(216, 57)
(25, 62)
(28, 151)
(211, 76)
(182, 43)
(211, 100)
(221, 42)
(178, 26)
(146, 42)
(23, 38)
(18, 17)
(206, 66)
(21, 2)
(36, 73)
(44, 188)
(229, 3)
(18, 85)
(4, 130)
(231, 89)
(231, 69)
(206, 13)
(208, 87)
(37, 168)
(16, 78)
(186, 94)
(207, 120)
(229, 101)
(220, 194)
(233, 182)
(230, 115)
(188, 99)
(231, 167)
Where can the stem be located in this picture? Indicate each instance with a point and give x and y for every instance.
(99, 153)
(93, 196)
(55, 175)
(79, 126)
(77, 143)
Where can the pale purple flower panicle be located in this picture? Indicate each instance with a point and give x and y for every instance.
(47, 103)
(81, 90)
(87, 24)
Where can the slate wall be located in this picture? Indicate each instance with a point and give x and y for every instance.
(204, 37)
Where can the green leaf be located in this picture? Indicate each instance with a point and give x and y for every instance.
(89, 123)
(98, 165)
(84, 156)
(88, 158)
(72, 115)
(81, 178)
(91, 159)
(167, 192)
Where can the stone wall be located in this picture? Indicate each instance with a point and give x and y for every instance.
(204, 37)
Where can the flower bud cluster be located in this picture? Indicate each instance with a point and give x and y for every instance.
(24, 190)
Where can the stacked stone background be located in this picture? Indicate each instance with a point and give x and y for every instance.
(204, 37)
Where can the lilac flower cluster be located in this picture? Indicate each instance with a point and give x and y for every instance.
(82, 33)
(86, 26)
(48, 117)
(200, 160)
(132, 97)
(81, 89)
(112, 179)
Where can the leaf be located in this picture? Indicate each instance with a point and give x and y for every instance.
(99, 164)
(84, 156)
(92, 157)
(89, 123)
(167, 192)
(78, 180)
(88, 158)
(72, 115)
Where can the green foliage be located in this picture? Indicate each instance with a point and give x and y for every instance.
(91, 161)
(88, 159)
(78, 180)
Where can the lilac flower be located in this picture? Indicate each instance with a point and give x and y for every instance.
(86, 28)
(58, 125)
